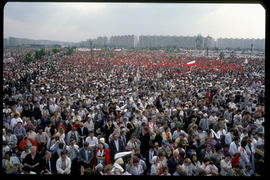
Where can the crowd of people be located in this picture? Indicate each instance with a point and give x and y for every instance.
(133, 113)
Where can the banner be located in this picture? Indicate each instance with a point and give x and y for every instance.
(191, 63)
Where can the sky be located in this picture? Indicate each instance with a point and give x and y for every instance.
(74, 22)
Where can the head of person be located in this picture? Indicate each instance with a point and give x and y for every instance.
(100, 145)
(227, 157)
(9, 132)
(48, 155)
(208, 147)
(187, 162)
(64, 154)
(176, 153)
(179, 169)
(8, 155)
(115, 136)
(193, 158)
(91, 133)
(40, 130)
(86, 145)
(236, 139)
(19, 124)
(33, 150)
(81, 124)
(136, 161)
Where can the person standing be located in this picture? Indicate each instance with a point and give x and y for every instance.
(116, 145)
(86, 156)
(83, 132)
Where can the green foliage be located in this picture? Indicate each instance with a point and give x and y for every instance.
(39, 54)
(70, 50)
(55, 50)
(27, 58)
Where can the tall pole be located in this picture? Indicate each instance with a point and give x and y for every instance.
(251, 48)
(91, 54)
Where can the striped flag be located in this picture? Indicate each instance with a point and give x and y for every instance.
(191, 63)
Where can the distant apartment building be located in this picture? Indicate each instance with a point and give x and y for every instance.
(236, 43)
(166, 41)
(101, 42)
(126, 41)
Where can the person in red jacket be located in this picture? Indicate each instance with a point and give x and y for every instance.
(235, 160)
(102, 155)
(62, 126)
(26, 141)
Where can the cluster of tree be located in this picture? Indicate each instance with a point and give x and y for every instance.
(28, 57)
(40, 54)
(55, 50)
(70, 50)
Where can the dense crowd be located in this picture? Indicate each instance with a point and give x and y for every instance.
(133, 113)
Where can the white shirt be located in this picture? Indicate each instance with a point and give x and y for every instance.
(14, 122)
(228, 138)
(223, 132)
(92, 142)
(53, 108)
(59, 166)
(233, 148)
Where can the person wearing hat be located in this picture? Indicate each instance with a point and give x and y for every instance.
(102, 140)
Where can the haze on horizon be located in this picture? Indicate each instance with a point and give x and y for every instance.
(76, 22)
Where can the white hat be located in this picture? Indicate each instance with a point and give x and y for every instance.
(205, 115)
(102, 140)
(154, 159)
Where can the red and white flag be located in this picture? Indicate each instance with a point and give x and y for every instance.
(191, 63)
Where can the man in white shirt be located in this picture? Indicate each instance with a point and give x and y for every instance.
(89, 124)
(92, 140)
(234, 146)
(14, 121)
(228, 137)
(63, 164)
(53, 107)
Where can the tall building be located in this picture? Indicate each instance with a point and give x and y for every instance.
(126, 41)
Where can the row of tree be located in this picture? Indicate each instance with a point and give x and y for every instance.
(39, 54)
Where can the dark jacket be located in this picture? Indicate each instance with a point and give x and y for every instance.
(44, 165)
(113, 147)
(82, 157)
(83, 132)
(172, 164)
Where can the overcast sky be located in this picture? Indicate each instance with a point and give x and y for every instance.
(80, 21)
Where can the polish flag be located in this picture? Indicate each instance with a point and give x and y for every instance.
(191, 63)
